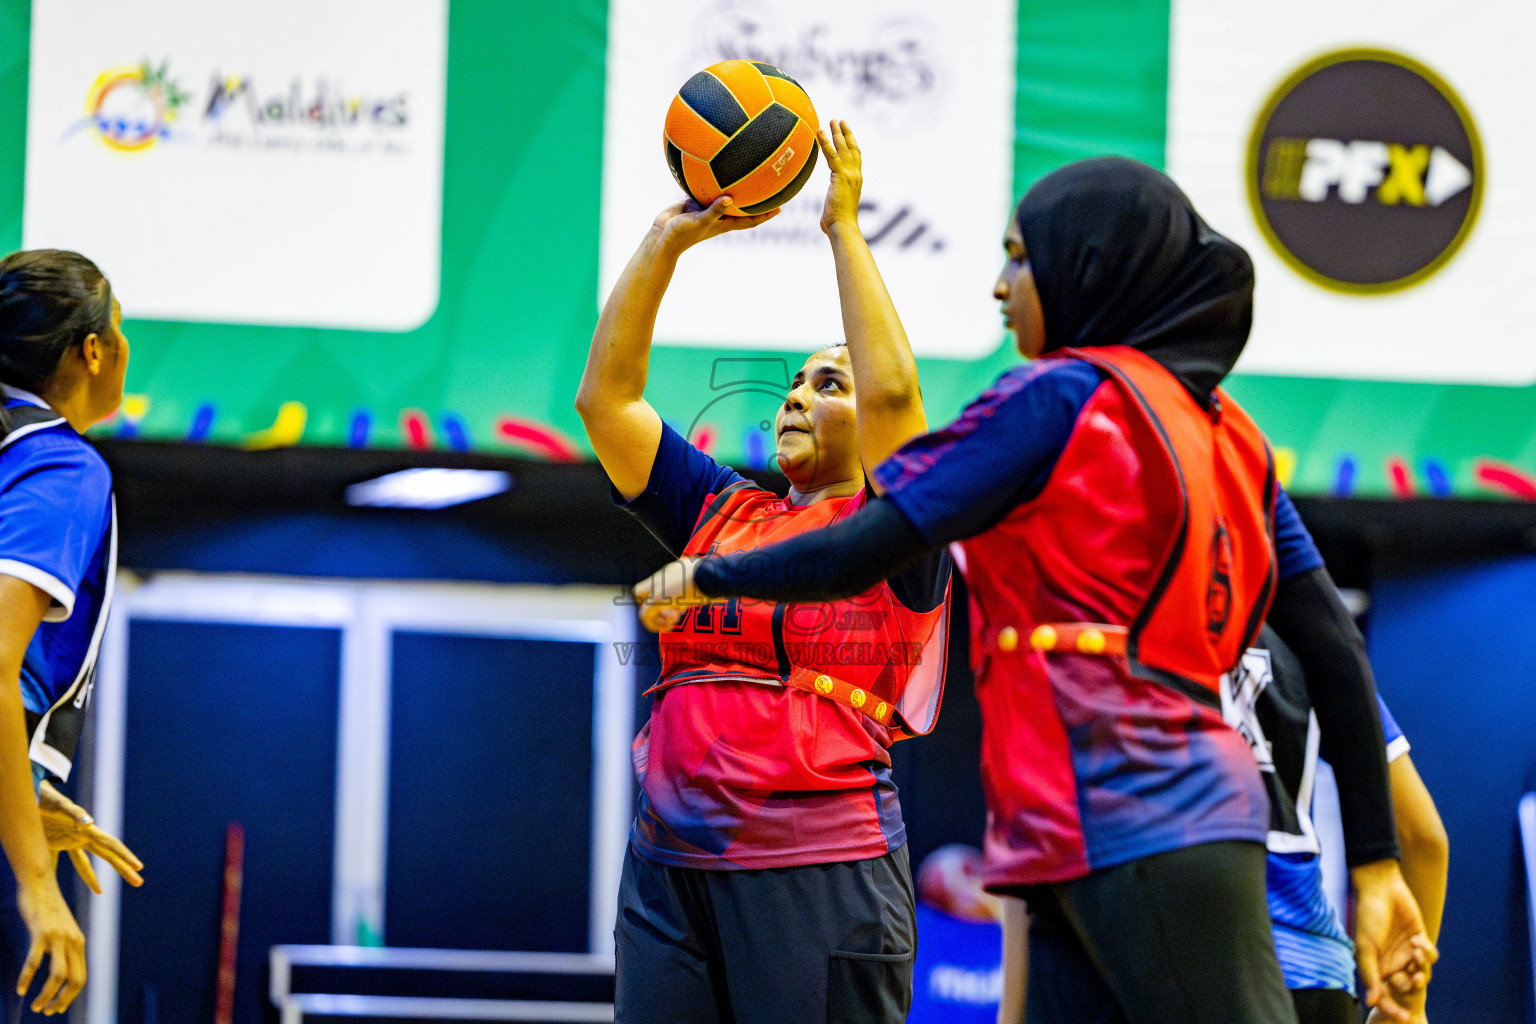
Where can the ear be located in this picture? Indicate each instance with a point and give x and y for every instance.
(92, 349)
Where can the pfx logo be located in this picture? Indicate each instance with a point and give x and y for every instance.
(1365, 171)
(1314, 170)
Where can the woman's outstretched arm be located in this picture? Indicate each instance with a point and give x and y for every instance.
(622, 426)
(890, 405)
(821, 565)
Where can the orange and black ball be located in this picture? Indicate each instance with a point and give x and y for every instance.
(744, 129)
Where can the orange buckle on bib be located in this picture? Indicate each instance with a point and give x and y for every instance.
(1069, 637)
(823, 685)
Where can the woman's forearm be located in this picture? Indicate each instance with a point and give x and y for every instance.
(619, 357)
(1426, 847)
(822, 565)
(21, 826)
(884, 371)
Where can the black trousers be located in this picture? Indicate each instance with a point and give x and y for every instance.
(824, 942)
(1177, 938)
(1325, 1006)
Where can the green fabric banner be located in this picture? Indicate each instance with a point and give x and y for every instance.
(495, 367)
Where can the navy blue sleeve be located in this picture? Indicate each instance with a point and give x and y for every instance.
(960, 480)
(1293, 544)
(682, 479)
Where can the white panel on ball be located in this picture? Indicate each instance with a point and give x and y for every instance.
(274, 163)
(929, 91)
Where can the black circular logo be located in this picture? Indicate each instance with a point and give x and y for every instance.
(1365, 171)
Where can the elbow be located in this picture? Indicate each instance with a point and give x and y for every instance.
(586, 403)
(1425, 841)
(890, 397)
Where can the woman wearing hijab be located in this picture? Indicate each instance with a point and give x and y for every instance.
(1123, 537)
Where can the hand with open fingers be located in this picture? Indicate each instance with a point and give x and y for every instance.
(847, 166)
(667, 594)
(70, 829)
(54, 934)
(1393, 951)
(685, 223)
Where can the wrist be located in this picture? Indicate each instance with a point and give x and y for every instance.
(35, 878)
(1374, 874)
(842, 230)
(662, 244)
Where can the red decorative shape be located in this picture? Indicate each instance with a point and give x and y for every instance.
(417, 428)
(1505, 479)
(545, 442)
(704, 438)
(1400, 477)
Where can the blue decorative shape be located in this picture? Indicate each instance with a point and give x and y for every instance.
(357, 435)
(202, 423)
(1344, 479)
(456, 432)
(128, 429)
(756, 448)
(1439, 479)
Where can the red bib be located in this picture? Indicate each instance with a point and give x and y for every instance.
(869, 652)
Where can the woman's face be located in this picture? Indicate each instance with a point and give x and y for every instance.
(1015, 289)
(817, 426)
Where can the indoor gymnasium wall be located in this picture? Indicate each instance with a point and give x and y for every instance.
(1455, 656)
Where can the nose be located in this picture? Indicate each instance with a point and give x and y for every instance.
(795, 401)
(1000, 288)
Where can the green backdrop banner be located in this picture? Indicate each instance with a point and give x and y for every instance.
(495, 367)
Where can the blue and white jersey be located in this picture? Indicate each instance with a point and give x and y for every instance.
(1266, 701)
(58, 532)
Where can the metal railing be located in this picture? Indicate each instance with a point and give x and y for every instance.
(295, 1007)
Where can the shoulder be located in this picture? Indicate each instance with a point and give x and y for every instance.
(1041, 392)
(57, 450)
(1063, 374)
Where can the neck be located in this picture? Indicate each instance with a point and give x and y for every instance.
(73, 407)
(835, 489)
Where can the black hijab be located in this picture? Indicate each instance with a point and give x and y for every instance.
(1120, 257)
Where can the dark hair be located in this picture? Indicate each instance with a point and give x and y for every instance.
(50, 300)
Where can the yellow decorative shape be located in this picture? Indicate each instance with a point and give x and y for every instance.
(1043, 638)
(857, 697)
(1285, 466)
(823, 684)
(135, 406)
(1007, 639)
(1090, 641)
(881, 709)
(285, 431)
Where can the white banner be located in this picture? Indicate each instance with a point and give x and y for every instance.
(1379, 162)
(929, 93)
(273, 163)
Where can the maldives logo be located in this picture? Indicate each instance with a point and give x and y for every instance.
(131, 108)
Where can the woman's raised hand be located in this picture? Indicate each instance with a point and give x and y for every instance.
(847, 166)
(685, 223)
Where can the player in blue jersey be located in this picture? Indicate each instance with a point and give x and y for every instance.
(62, 361)
(1269, 706)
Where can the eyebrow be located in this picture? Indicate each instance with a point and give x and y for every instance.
(824, 370)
